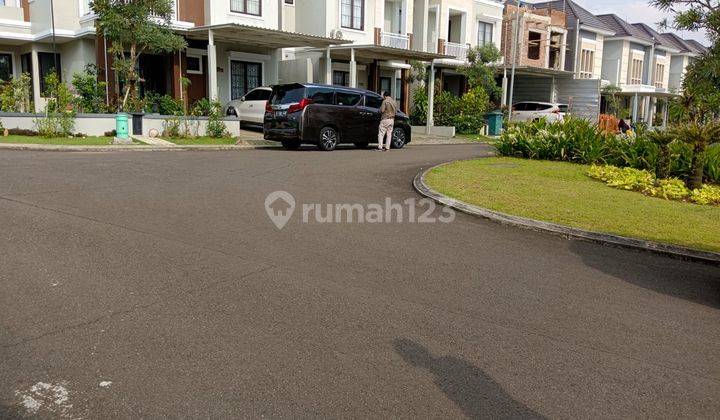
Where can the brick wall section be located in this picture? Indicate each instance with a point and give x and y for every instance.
(192, 11)
(537, 21)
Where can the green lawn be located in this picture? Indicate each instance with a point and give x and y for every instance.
(203, 140)
(473, 137)
(562, 193)
(72, 141)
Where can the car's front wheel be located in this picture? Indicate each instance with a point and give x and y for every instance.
(399, 138)
(329, 139)
(291, 144)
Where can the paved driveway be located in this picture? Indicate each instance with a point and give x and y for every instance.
(149, 284)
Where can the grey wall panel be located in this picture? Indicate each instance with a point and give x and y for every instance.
(582, 96)
(528, 88)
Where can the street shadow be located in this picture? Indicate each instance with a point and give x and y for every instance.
(11, 412)
(695, 282)
(469, 387)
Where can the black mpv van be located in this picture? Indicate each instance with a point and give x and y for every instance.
(327, 116)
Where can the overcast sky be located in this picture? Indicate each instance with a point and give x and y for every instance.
(633, 11)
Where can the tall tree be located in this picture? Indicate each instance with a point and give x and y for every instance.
(692, 15)
(133, 28)
(479, 72)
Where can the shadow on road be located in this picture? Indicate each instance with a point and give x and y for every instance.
(695, 282)
(475, 392)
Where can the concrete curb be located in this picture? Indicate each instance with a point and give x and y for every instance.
(133, 148)
(568, 232)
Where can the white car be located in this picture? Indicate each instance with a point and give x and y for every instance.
(251, 107)
(532, 111)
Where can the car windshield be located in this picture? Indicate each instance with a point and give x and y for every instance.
(287, 94)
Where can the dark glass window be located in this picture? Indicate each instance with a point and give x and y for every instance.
(287, 94)
(347, 98)
(47, 65)
(373, 101)
(352, 14)
(244, 77)
(194, 64)
(341, 78)
(320, 95)
(249, 7)
(6, 67)
(258, 95)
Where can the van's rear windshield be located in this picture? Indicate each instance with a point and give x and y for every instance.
(287, 94)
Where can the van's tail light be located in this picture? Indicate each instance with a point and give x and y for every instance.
(300, 106)
(268, 107)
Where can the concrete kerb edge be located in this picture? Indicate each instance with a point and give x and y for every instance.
(135, 148)
(668, 250)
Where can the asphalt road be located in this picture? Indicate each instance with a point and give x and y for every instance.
(153, 284)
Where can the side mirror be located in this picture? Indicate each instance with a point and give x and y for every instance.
(242, 99)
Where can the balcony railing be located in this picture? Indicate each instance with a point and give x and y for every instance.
(388, 39)
(459, 51)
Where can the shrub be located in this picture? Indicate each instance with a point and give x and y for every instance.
(472, 108)
(90, 91)
(15, 95)
(171, 127)
(215, 126)
(22, 132)
(59, 115)
(111, 133)
(645, 182)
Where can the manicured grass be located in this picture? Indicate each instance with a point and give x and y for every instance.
(473, 137)
(68, 141)
(562, 193)
(203, 140)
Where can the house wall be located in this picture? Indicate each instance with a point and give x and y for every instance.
(538, 21)
(488, 12)
(612, 62)
(678, 63)
(218, 11)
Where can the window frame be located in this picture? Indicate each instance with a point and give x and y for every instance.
(660, 75)
(200, 61)
(535, 44)
(11, 73)
(587, 63)
(345, 77)
(40, 70)
(352, 15)
(636, 80)
(245, 6)
(245, 63)
(485, 26)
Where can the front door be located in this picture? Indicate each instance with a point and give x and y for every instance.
(244, 77)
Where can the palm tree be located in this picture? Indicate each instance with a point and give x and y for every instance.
(699, 136)
(662, 139)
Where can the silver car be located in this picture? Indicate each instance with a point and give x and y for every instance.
(532, 111)
(250, 108)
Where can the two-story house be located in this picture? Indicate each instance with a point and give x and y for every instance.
(688, 51)
(455, 26)
(637, 59)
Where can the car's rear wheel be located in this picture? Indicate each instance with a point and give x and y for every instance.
(361, 144)
(291, 144)
(398, 138)
(329, 139)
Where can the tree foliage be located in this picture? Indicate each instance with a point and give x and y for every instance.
(479, 72)
(692, 15)
(133, 28)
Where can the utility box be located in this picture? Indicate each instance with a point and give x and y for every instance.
(494, 122)
(137, 123)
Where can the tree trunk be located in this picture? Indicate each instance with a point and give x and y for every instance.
(698, 168)
(663, 164)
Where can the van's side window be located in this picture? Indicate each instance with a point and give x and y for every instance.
(321, 95)
(347, 98)
(373, 102)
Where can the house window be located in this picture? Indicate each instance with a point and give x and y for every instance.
(193, 63)
(352, 14)
(485, 33)
(533, 45)
(244, 77)
(6, 67)
(636, 72)
(659, 75)
(248, 7)
(47, 66)
(587, 64)
(289, 1)
(341, 78)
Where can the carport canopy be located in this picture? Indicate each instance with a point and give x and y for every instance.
(252, 39)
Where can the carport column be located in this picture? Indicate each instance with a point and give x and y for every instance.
(36, 79)
(635, 108)
(665, 112)
(430, 120)
(328, 67)
(212, 66)
(353, 69)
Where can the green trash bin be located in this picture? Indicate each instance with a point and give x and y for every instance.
(495, 123)
(121, 126)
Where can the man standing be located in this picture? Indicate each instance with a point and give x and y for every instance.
(387, 121)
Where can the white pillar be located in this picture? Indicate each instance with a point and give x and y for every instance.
(652, 106)
(212, 67)
(503, 101)
(328, 67)
(665, 113)
(635, 108)
(547, 48)
(273, 76)
(37, 95)
(430, 121)
(563, 51)
(426, 27)
(393, 85)
(353, 69)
